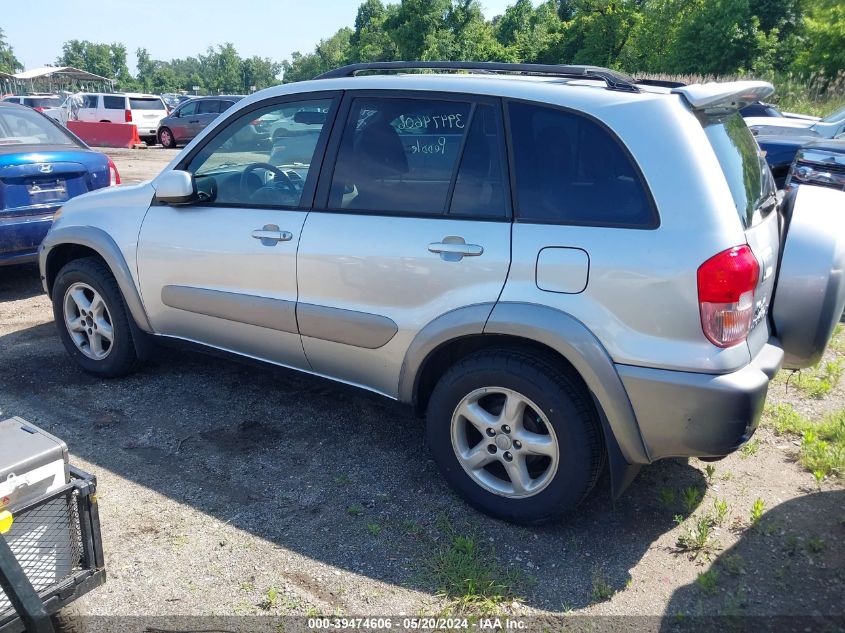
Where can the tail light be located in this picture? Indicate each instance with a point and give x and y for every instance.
(127, 116)
(726, 284)
(114, 175)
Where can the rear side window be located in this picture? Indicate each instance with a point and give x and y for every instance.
(571, 170)
(399, 155)
(146, 103)
(114, 103)
(225, 105)
(745, 169)
(209, 106)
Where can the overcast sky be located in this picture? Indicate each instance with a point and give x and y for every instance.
(36, 29)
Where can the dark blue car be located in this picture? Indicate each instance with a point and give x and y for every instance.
(42, 165)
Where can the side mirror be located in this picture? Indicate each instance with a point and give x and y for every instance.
(175, 187)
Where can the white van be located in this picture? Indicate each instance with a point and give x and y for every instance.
(145, 111)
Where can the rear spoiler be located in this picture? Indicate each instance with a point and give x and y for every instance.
(731, 95)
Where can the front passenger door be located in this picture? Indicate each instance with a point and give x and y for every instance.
(222, 271)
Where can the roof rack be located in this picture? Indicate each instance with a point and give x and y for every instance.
(613, 79)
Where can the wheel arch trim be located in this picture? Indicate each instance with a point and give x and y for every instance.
(553, 328)
(104, 245)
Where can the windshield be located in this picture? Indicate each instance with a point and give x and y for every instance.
(836, 116)
(27, 127)
(745, 169)
(146, 103)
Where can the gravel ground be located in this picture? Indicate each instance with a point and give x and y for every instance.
(228, 488)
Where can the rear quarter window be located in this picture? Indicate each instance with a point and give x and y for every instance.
(743, 165)
(114, 103)
(569, 169)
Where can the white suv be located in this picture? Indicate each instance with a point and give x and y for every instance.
(559, 267)
(145, 111)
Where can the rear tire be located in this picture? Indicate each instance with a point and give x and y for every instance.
(522, 409)
(92, 319)
(69, 619)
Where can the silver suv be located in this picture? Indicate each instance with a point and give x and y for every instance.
(563, 269)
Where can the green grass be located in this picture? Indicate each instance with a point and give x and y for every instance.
(822, 449)
(757, 510)
(374, 529)
(816, 382)
(692, 497)
(696, 539)
(602, 589)
(467, 574)
(708, 581)
(750, 448)
(720, 511)
(354, 510)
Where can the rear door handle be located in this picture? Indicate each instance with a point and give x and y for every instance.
(454, 248)
(447, 248)
(270, 235)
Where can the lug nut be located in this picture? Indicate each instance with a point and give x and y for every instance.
(491, 432)
(491, 448)
(506, 428)
(508, 456)
(517, 444)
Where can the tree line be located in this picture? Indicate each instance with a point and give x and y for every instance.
(760, 37)
(718, 37)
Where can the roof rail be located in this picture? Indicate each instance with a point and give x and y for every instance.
(613, 79)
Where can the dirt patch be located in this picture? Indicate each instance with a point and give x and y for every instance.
(244, 489)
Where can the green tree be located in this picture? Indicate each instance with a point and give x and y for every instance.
(330, 53)
(371, 41)
(824, 40)
(106, 60)
(718, 37)
(8, 62)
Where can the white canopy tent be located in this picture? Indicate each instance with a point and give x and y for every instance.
(60, 78)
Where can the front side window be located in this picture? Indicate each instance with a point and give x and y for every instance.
(89, 101)
(399, 155)
(245, 163)
(188, 109)
(114, 103)
(570, 170)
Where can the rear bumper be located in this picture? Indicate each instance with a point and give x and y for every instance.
(21, 236)
(683, 414)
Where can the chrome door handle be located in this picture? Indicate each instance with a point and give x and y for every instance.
(452, 248)
(270, 235)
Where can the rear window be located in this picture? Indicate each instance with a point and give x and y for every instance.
(146, 103)
(42, 102)
(114, 103)
(27, 127)
(745, 169)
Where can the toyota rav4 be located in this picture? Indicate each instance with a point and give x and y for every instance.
(563, 269)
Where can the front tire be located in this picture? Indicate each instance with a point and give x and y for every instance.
(516, 435)
(92, 319)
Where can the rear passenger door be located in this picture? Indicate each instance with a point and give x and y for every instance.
(582, 238)
(207, 111)
(411, 221)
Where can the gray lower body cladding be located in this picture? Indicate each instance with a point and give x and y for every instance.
(684, 414)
